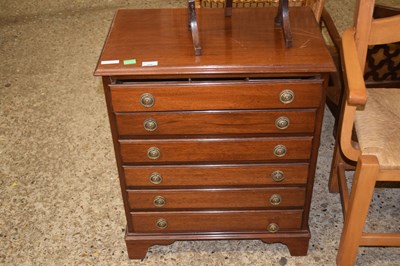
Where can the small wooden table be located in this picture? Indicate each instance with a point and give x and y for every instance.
(218, 146)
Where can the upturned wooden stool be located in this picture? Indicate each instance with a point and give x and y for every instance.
(281, 20)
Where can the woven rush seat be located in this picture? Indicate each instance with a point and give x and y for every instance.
(378, 127)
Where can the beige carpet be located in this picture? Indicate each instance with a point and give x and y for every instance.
(60, 202)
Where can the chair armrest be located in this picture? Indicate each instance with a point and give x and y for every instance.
(356, 94)
(355, 84)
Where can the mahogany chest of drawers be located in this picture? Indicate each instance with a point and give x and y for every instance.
(222, 145)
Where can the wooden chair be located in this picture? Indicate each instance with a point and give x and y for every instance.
(381, 64)
(375, 114)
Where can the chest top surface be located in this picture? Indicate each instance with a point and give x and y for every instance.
(245, 43)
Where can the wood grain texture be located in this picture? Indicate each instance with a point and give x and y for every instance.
(216, 175)
(214, 95)
(211, 221)
(229, 45)
(215, 150)
(225, 198)
(216, 122)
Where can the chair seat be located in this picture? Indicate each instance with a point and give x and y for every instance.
(378, 127)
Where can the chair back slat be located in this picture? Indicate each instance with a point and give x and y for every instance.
(362, 24)
(385, 30)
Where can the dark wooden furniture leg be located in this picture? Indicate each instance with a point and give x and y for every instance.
(297, 246)
(282, 20)
(228, 8)
(137, 249)
(193, 27)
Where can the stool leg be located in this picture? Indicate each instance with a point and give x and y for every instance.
(193, 27)
(360, 198)
(333, 177)
(278, 17)
(282, 20)
(228, 8)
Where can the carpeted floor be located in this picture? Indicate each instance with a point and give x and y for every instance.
(60, 202)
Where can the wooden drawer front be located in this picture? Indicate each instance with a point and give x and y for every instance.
(206, 150)
(216, 198)
(215, 221)
(214, 96)
(218, 122)
(215, 175)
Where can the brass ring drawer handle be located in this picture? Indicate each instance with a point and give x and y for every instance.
(147, 100)
(161, 223)
(286, 96)
(280, 150)
(278, 176)
(150, 124)
(159, 201)
(153, 153)
(155, 178)
(282, 122)
(275, 199)
(273, 228)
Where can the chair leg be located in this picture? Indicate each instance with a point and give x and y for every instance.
(333, 184)
(228, 8)
(193, 27)
(361, 195)
(282, 20)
